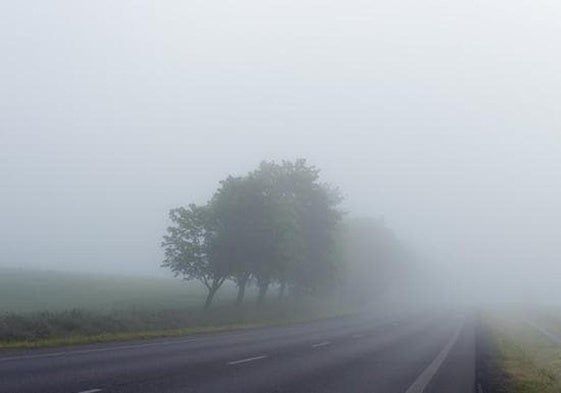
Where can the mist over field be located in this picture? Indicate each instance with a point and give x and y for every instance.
(423, 113)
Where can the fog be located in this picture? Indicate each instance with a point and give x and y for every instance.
(440, 116)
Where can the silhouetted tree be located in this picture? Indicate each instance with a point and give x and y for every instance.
(239, 207)
(190, 248)
(277, 224)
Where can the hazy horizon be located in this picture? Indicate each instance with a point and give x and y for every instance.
(439, 116)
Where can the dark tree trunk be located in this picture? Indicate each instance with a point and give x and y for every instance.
(210, 296)
(242, 284)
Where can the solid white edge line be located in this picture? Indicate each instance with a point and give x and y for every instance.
(423, 380)
(91, 391)
(247, 360)
(321, 344)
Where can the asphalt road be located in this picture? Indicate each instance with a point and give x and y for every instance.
(428, 352)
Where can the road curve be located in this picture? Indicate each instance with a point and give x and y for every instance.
(426, 352)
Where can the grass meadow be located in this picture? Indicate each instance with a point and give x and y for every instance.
(31, 291)
(51, 308)
(530, 359)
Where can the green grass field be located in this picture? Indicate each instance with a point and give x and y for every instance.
(30, 291)
(49, 309)
(531, 361)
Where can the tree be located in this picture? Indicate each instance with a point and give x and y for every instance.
(276, 225)
(238, 206)
(250, 229)
(311, 263)
(280, 241)
(303, 217)
(190, 248)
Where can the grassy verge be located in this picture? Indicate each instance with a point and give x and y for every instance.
(530, 362)
(48, 309)
(146, 335)
(80, 327)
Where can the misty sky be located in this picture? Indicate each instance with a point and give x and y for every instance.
(442, 116)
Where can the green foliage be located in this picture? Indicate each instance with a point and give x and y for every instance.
(191, 248)
(277, 224)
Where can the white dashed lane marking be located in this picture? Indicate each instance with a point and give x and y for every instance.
(253, 359)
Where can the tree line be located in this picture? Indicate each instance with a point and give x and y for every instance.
(277, 225)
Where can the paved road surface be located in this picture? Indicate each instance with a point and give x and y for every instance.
(430, 352)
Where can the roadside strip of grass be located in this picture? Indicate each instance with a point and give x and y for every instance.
(125, 336)
(50, 309)
(255, 322)
(528, 360)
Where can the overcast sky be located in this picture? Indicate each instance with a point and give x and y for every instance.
(442, 116)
